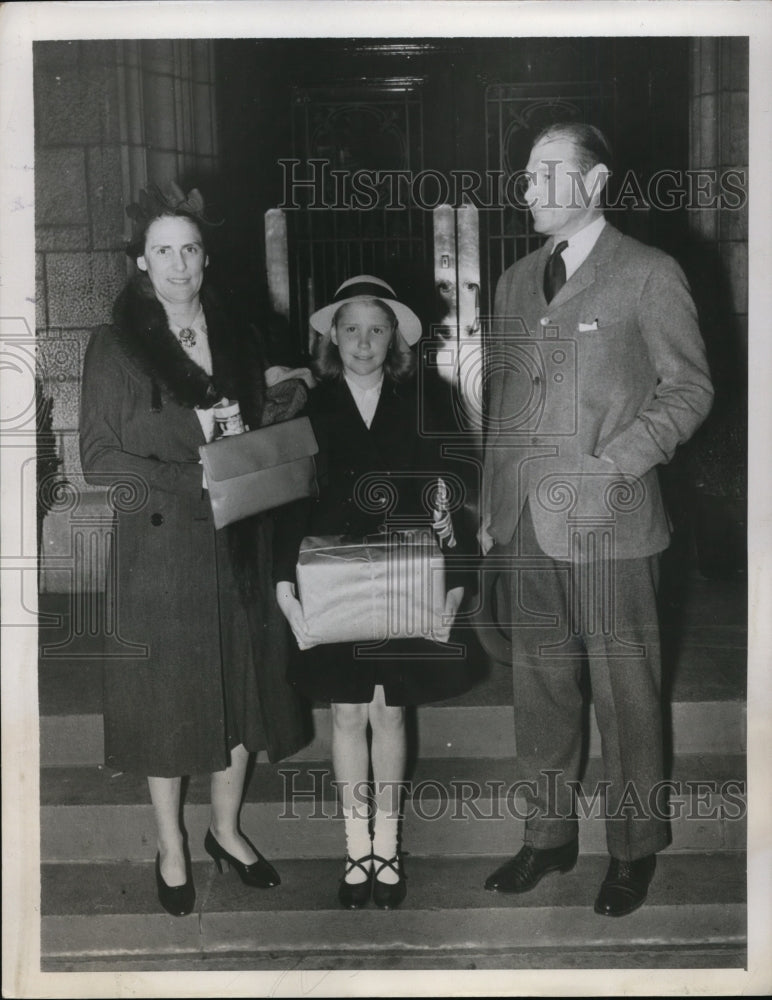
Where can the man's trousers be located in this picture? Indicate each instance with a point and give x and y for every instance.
(602, 613)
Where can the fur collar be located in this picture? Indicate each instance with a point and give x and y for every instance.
(237, 365)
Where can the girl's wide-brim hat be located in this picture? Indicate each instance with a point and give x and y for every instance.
(363, 287)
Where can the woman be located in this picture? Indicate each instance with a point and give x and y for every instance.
(211, 686)
(364, 415)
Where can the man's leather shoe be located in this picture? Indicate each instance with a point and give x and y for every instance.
(530, 865)
(625, 886)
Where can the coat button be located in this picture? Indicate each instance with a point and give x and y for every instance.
(156, 520)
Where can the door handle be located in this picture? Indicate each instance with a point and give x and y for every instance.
(445, 276)
(470, 352)
(474, 326)
(277, 260)
(457, 281)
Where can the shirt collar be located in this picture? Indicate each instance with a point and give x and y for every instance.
(359, 392)
(581, 243)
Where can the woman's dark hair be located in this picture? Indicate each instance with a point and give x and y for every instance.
(400, 363)
(136, 246)
(155, 204)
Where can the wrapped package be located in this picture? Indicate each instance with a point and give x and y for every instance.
(360, 590)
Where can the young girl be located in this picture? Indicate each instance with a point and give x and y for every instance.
(365, 417)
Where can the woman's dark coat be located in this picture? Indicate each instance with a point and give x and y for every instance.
(366, 476)
(200, 601)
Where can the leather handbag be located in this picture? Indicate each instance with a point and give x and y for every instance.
(260, 470)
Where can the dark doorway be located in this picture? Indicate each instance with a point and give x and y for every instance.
(416, 121)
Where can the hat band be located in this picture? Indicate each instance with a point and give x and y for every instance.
(362, 288)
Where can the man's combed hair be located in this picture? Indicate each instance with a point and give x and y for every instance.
(400, 363)
(590, 143)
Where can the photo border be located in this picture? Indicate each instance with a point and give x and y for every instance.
(23, 23)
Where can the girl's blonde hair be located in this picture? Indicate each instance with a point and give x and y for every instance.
(400, 360)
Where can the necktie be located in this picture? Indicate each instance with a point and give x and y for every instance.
(555, 272)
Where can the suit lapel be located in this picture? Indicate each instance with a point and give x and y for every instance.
(538, 263)
(586, 273)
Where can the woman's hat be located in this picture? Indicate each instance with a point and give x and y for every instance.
(365, 286)
(153, 202)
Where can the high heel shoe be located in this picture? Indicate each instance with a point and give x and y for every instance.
(388, 895)
(178, 900)
(354, 895)
(260, 874)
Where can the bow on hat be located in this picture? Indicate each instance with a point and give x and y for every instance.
(153, 202)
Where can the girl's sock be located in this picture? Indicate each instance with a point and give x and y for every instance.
(358, 843)
(385, 842)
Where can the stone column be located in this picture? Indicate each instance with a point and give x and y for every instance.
(719, 145)
(718, 141)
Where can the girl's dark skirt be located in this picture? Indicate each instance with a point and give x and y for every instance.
(411, 671)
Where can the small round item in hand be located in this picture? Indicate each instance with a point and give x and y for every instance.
(227, 415)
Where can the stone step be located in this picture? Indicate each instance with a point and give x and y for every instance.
(441, 731)
(694, 669)
(109, 912)
(704, 671)
(452, 806)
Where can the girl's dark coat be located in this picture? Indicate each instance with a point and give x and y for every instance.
(212, 670)
(393, 462)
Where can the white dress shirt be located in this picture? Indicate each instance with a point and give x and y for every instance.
(366, 399)
(580, 245)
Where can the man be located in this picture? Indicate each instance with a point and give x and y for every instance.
(599, 372)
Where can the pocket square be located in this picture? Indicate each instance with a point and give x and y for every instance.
(585, 327)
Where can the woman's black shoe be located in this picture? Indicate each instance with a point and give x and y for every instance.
(176, 899)
(260, 874)
(387, 895)
(354, 895)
